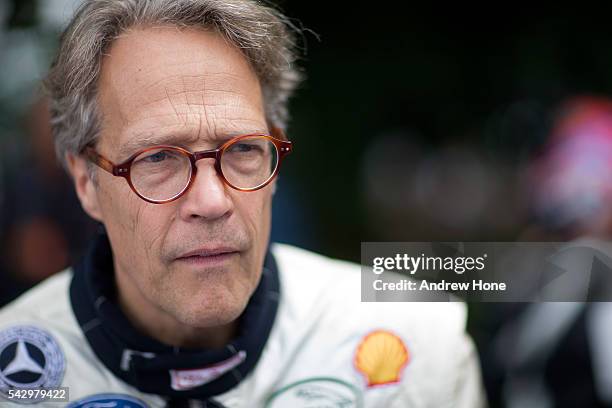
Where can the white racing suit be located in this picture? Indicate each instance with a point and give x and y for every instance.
(324, 348)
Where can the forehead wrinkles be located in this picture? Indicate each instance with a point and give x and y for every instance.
(184, 91)
(196, 110)
(161, 78)
(201, 103)
(194, 86)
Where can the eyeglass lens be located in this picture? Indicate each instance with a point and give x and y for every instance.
(162, 174)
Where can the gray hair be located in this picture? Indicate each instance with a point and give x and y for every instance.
(265, 36)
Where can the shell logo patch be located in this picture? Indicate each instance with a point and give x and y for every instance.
(380, 357)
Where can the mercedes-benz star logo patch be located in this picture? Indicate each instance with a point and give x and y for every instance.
(29, 358)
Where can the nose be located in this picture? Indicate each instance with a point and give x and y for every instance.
(208, 196)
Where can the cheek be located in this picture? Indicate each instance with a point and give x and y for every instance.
(254, 212)
(134, 226)
(255, 208)
(118, 208)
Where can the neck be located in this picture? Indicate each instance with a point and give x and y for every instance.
(160, 325)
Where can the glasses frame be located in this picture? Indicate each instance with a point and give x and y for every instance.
(283, 148)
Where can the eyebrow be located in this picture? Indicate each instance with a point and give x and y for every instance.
(137, 143)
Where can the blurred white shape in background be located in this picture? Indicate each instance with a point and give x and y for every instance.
(390, 164)
(454, 190)
(55, 14)
(26, 52)
(454, 187)
(24, 61)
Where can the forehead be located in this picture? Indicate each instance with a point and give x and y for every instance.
(166, 80)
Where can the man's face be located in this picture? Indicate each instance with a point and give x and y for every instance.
(188, 88)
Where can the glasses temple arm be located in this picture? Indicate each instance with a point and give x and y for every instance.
(99, 160)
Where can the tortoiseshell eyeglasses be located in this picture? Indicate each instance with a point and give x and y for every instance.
(162, 174)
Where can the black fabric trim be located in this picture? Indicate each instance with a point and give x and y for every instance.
(184, 403)
(109, 333)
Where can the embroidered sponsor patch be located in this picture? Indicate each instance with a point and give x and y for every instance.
(381, 357)
(188, 379)
(315, 393)
(30, 358)
(108, 401)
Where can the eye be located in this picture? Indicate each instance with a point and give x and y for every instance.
(156, 157)
(242, 148)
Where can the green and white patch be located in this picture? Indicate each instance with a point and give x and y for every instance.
(320, 392)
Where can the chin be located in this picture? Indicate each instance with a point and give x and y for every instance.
(212, 312)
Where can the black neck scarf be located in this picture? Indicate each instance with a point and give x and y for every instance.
(146, 363)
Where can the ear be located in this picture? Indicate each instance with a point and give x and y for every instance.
(84, 185)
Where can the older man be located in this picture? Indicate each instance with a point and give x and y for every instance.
(168, 115)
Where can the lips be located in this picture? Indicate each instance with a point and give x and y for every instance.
(208, 257)
(209, 252)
